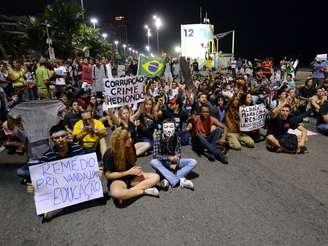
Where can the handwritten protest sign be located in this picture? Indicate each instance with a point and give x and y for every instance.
(65, 182)
(252, 117)
(123, 91)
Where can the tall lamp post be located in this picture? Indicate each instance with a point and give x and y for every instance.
(94, 21)
(124, 47)
(116, 43)
(148, 34)
(158, 24)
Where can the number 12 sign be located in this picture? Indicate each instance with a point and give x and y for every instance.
(194, 39)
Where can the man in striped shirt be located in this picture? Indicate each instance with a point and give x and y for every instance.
(62, 148)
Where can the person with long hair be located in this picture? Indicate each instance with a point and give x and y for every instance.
(125, 179)
(126, 119)
(148, 116)
(235, 136)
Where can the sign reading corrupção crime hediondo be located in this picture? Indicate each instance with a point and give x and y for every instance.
(65, 182)
(252, 117)
(123, 91)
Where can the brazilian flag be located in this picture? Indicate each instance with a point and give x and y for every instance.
(151, 66)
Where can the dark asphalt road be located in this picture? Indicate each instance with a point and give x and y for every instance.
(260, 198)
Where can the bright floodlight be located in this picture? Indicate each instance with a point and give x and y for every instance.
(146, 27)
(148, 33)
(147, 48)
(177, 49)
(154, 17)
(130, 48)
(94, 20)
(116, 42)
(104, 35)
(158, 23)
(124, 46)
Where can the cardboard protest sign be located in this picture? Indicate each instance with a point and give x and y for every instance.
(123, 91)
(151, 66)
(252, 117)
(65, 182)
(186, 73)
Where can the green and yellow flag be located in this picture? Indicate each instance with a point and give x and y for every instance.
(151, 66)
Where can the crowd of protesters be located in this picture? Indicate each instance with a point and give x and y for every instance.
(204, 115)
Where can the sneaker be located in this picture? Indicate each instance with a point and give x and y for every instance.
(186, 183)
(164, 184)
(152, 192)
(222, 158)
(210, 157)
(51, 214)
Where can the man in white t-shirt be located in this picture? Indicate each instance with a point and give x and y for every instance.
(99, 73)
(60, 74)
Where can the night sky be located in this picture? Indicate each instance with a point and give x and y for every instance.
(263, 28)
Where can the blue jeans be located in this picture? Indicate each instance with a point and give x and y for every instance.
(323, 129)
(184, 167)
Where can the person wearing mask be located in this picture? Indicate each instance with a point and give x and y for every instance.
(167, 157)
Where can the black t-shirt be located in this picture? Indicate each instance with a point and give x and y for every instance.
(306, 92)
(279, 127)
(179, 118)
(70, 119)
(322, 111)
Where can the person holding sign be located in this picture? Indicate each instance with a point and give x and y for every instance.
(62, 149)
(125, 179)
(235, 136)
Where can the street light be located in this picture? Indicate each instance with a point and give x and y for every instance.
(148, 33)
(94, 21)
(124, 46)
(116, 43)
(104, 35)
(158, 24)
(177, 49)
(147, 48)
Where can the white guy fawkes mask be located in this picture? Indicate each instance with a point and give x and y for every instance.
(168, 129)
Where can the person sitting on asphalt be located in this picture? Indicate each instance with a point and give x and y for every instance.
(167, 157)
(126, 119)
(206, 133)
(89, 132)
(322, 121)
(62, 149)
(278, 138)
(316, 101)
(125, 179)
(236, 138)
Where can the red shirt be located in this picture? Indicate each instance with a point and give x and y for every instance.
(87, 73)
(203, 126)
